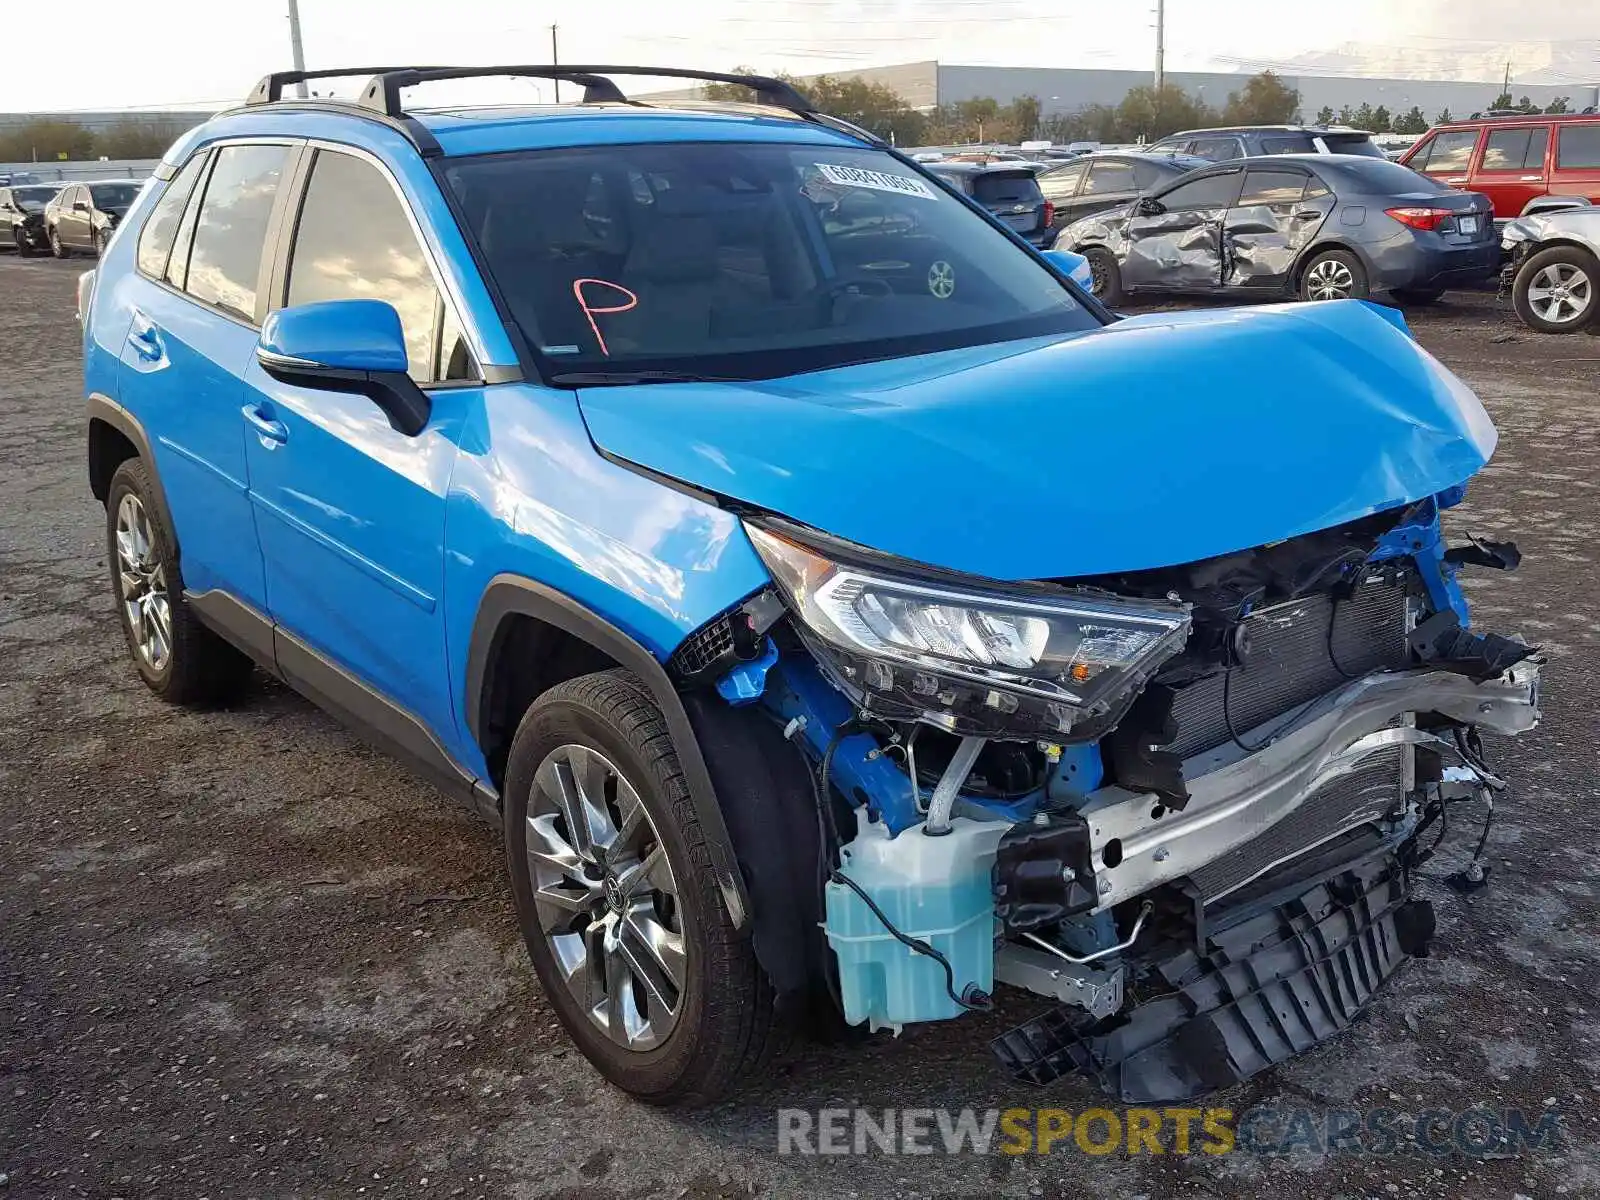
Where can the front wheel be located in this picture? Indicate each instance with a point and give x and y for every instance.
(1106, 274)
(1334, 275)
(24, 245)
(1554, 291)
(621, 915)
(57, 246)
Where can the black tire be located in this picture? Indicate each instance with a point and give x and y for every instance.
(199, 668)
(24, 246)
(1410, 296)
(102, 241)
(1107, 275)
(725, 1031)
(57, 247)
(1352, 282)
(1584, 277)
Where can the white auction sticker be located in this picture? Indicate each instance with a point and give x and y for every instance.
(878, 181)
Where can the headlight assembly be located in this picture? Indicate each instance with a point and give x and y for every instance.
(975, 659)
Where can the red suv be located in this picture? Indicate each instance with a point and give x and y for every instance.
(1523, 163)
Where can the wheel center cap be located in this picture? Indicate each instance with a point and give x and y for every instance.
(613, 891)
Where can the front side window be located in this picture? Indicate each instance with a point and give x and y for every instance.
(1448, 153)
(225, 255)
(1107, 177)
(161, 227)
(746, 260)
(1515, 149)
(1213, 191)
(1579, 147)
(355, 242)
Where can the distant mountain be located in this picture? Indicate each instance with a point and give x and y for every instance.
(1551, 63)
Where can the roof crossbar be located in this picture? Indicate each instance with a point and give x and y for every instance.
(270, 89)
(382, 93)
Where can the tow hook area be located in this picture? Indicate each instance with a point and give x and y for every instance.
(1276, 976)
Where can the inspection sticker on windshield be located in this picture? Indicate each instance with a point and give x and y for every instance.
(878, 181)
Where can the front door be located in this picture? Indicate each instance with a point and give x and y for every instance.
(351, 511)
(190, 341)
(1277, 216)
(1176, 243)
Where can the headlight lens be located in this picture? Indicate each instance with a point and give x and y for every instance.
(1081, 653)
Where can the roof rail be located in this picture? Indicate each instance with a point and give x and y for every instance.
(270, 89)
(382, 93)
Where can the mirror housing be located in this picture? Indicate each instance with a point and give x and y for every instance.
(1148, 206)
(353, 346)
(80, 206)
(1074, 266)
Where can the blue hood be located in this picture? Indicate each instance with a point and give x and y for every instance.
(1158, 440)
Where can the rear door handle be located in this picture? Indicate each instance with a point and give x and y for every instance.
(145, 338)
(1307, 214)
(271, 431)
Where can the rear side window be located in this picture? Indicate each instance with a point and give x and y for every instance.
(225, 257)
(1289, 144)
(1214, 191)
(1011, 188)
(1272, 187)
(161, 229)
(1062, 184)
(1579, 146)
(1107, 177)
(354, 242)
(1448, 153)
(1516, 149)
(1217, 149)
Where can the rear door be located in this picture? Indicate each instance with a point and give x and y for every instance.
(1511, 168)
(1180, 246)
(1575, 170)
(195, 303)
(1275, 218)
(73, 225)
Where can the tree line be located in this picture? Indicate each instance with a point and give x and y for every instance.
(1379, 119)
(62, 140)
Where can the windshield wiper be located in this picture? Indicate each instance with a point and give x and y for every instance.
(602, 378)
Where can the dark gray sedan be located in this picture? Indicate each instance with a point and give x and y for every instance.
(1320, 226)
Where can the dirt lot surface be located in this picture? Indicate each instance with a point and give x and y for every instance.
(242, 955)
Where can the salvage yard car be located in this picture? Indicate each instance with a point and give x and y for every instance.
(1553, 269)
(22, 216)
(1323, 227)
(831, 602)
(1525, 163)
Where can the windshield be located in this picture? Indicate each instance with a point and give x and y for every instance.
(33, 199)
(111, 196)
(745, 261)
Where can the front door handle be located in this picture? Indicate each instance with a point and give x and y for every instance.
(270, 430)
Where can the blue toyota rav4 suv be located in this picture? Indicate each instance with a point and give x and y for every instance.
(838, 610)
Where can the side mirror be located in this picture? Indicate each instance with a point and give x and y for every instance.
(80, 206)
(346, 346)
(1149, 206)
(1074, 266)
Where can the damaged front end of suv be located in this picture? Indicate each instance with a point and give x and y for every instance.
(1185, 798)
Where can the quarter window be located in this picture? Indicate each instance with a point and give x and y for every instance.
(161, 230)
(1448, 153)
(225, 258)
(1579, 146)
(1516, 149)
(1272, 187)
(354, 242)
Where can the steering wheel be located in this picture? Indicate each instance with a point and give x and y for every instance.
(829, 292)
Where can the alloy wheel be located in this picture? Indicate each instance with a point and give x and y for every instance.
(605, 897)
(142, 585)
(1330, 279)
(1560, 293)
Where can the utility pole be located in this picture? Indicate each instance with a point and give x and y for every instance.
(1161, 45)
(555, 60)
(295, 48)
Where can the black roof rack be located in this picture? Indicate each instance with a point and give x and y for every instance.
(382, 94)
(270, 89)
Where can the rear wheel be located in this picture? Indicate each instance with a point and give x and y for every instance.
(1106, 274)
(1555, 290)
(621, 915)
(1334, 275)
(178, 658)
(1417, 295)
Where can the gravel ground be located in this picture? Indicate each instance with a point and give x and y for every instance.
(242, 955)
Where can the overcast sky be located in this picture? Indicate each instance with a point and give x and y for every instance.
(177, 52)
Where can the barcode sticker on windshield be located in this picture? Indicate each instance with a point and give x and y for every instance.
(878, 181)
